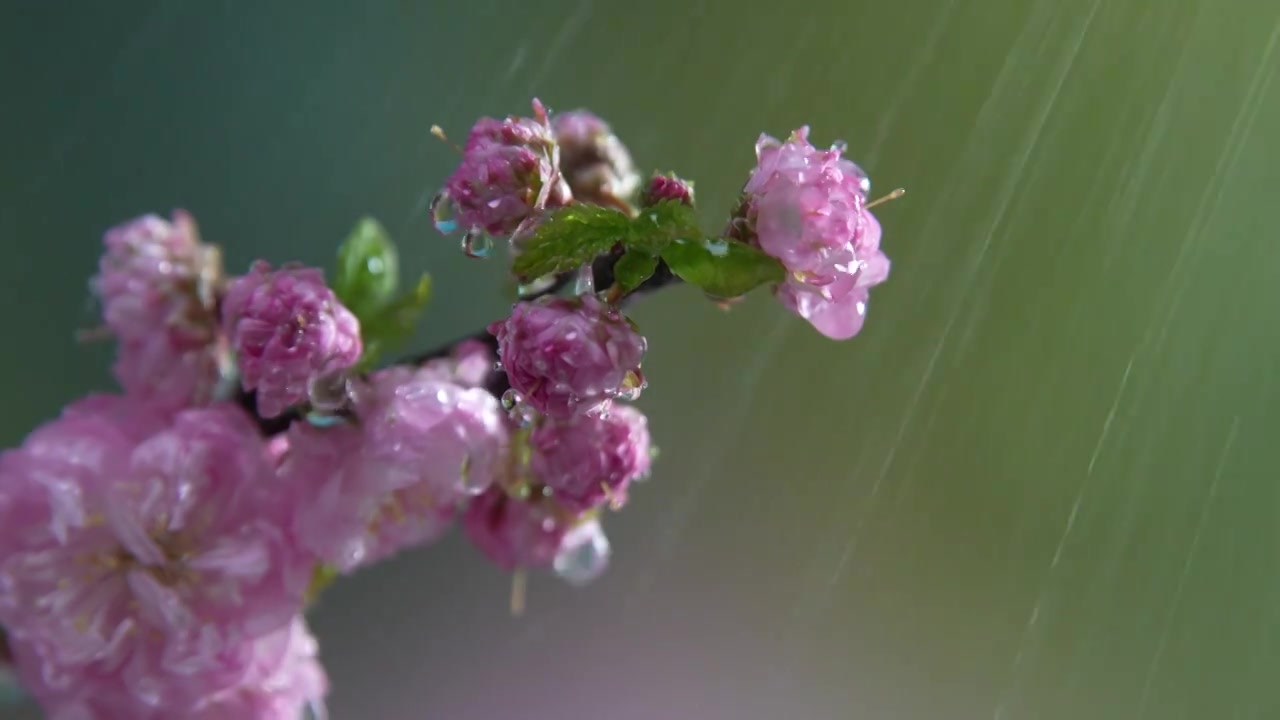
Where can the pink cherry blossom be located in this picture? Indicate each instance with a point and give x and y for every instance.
(156, 282)
(283, 678)
(510, 169)
(393, 481)
(149, 558)
(807, 208)
(513, 532)
(567, 357)
(588, 460)
(839, 314)
(289, 332)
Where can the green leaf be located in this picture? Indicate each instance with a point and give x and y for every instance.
(569, 238)
(394, 323)
(659, 225)
(368, 269)
(723, 268)
(633, 268)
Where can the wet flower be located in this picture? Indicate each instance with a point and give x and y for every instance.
(597, 166)
(590, 460)
(807, 208)
(514, 532)
(290, 333)
(156, 282)
(565, 357)
(510, 169)
(144, 554)
(393, 481)
(667, 187)
(284, 678)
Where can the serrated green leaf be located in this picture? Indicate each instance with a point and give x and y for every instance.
(633, 268)
(723, 268)
(659, 225)
(368, 269)
(395, 322)
(569, 238)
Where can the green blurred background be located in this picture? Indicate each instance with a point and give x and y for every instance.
(1040, 484)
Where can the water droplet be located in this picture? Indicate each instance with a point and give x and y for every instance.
(477, 244)
(329, 393)
(586, 281)
(522, 415)
(321, 420)
(584, 554)
(840, 146)
(498, 366)
(510, 399)
(632, 383)
(442, 211)
(537, 286)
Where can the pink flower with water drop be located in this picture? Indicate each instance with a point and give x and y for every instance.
(157, 284)
(290, 334)
(510, 170)
(807, 208)
(589, 460)
(570, 356)
(394, 480)
(513, 532)
(145, 553)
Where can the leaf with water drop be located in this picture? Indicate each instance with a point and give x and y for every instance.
(368, 269)
(655, 227)
(394, 324)
(568, 238)
(633, 268)
(722, 268)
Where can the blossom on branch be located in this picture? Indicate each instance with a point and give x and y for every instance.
(290, 334)
(808, 208)
(156, 283)
(566, 357)
(145, 554)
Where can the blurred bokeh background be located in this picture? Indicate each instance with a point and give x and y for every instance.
(1041, 484)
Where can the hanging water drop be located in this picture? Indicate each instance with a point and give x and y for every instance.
(586, 280)
(442, 212)
(840, 146)
(632, 383)
(584, 554)
(510, 399)
(522, 414)
(477, 244)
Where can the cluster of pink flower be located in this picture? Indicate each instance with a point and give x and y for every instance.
(159, 548)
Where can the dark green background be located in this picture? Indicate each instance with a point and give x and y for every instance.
(1040, 484)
